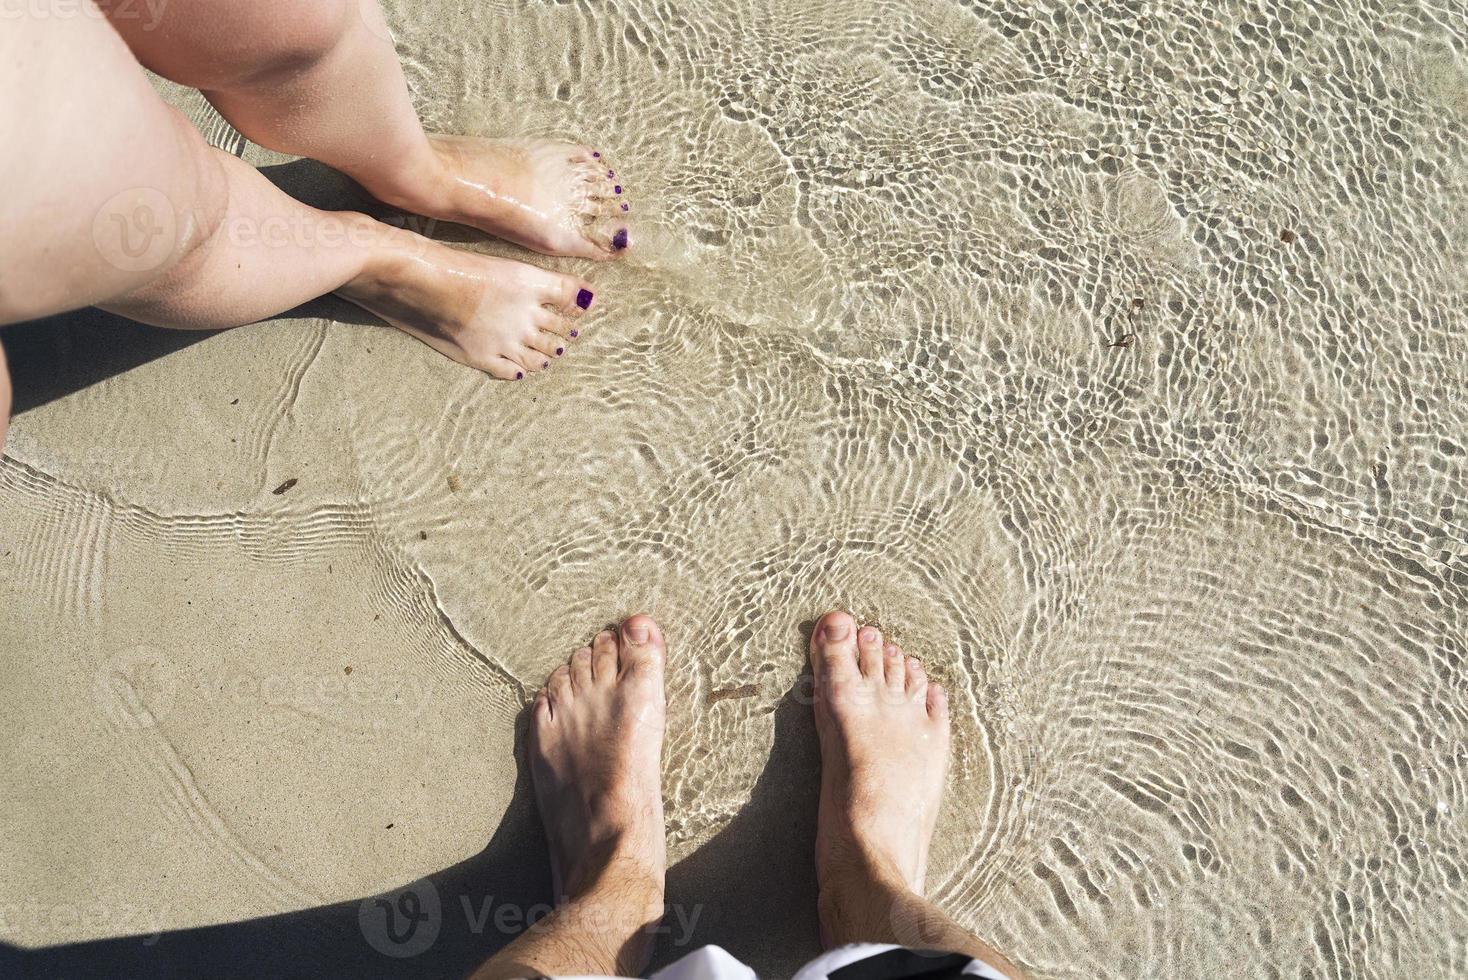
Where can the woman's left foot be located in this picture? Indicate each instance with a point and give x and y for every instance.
(553, 197)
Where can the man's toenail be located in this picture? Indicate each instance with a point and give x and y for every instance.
(519, 375)
(869, 635)
(618, 188)
(891, 650)
(560, 351)
(619, 240)
(583, 300)
(637, 634)
(838, 630)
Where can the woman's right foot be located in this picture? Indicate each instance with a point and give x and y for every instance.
(553, 197)
(500, 316)
(883, 729)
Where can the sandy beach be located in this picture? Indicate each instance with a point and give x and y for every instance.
(1115, 364)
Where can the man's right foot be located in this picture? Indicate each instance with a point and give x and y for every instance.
(503, 317)
(883, 729)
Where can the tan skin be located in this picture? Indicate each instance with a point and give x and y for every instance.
(120, 203)
(595, 752)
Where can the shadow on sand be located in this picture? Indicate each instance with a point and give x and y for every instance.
(751, 889)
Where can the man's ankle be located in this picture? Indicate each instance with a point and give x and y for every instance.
(857, 898)
(619, 909)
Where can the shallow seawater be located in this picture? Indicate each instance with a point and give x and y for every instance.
(1113, 358)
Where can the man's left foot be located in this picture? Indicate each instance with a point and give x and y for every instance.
(596, 739)
(555, 198)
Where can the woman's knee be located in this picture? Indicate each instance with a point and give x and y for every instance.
(222, 44)
(115, 189)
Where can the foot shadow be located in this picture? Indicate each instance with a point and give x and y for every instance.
(443, 925)
(752, 887)
(61, 355)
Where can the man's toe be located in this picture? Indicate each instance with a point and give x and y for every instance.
(642, 645)
(833, 646)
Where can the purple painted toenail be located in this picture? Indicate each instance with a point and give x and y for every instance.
(560, 351)
(618, 188)
(619, 240)
(575, 333)
(545, 364)
(595, 153)
(583, 300)
(519, 375)
(626, 207)
(611, 173)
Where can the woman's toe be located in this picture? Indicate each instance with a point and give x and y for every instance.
(547, 343)
(610, 233)
(530, 360)
(504, 369)
(569, 296)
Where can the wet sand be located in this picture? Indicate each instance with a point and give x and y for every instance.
(1116, 365)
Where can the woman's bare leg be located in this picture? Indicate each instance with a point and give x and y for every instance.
(883, 728)
(113, 199)
(321, 79)
(595, 752)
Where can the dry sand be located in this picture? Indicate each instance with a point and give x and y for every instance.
(1199, 600)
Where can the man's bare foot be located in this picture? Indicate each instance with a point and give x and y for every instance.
(883, 728)
(596, 739)
(503, 317)
(553, 197)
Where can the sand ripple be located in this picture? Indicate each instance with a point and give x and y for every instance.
(1113, 361)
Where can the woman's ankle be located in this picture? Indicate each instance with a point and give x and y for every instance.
(416, 181)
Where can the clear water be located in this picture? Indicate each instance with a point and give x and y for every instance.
(1112, 357)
